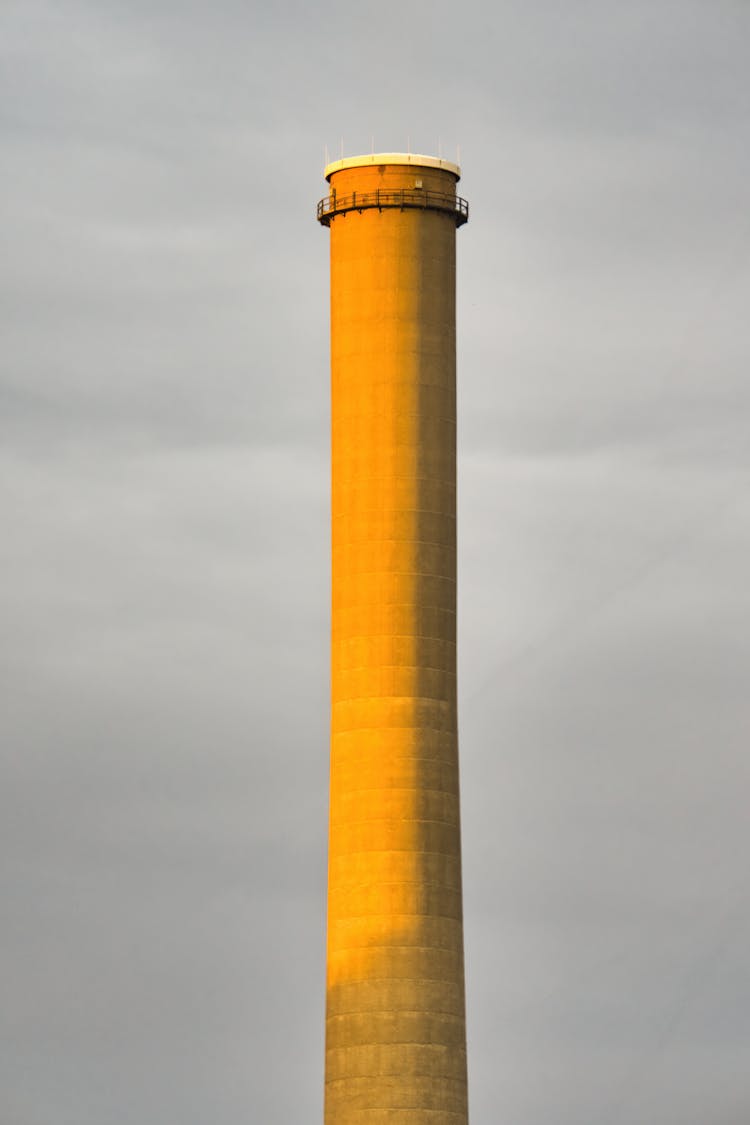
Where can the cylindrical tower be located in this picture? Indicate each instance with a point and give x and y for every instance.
(395, 1028)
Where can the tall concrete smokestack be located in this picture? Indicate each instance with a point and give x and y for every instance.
(395, 1027)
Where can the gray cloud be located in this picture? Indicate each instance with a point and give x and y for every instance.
(165, 549)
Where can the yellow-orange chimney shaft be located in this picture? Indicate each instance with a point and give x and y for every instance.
(395, 1028)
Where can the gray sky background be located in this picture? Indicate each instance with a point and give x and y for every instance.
(164, 477)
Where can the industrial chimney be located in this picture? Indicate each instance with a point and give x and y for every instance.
(395, 1025)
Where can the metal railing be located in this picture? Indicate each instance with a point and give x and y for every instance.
(403, 199)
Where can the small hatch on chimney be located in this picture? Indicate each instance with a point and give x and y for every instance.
(417, 183)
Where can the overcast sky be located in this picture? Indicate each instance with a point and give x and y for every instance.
(164, 495)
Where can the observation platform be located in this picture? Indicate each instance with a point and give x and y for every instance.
(402, 199)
